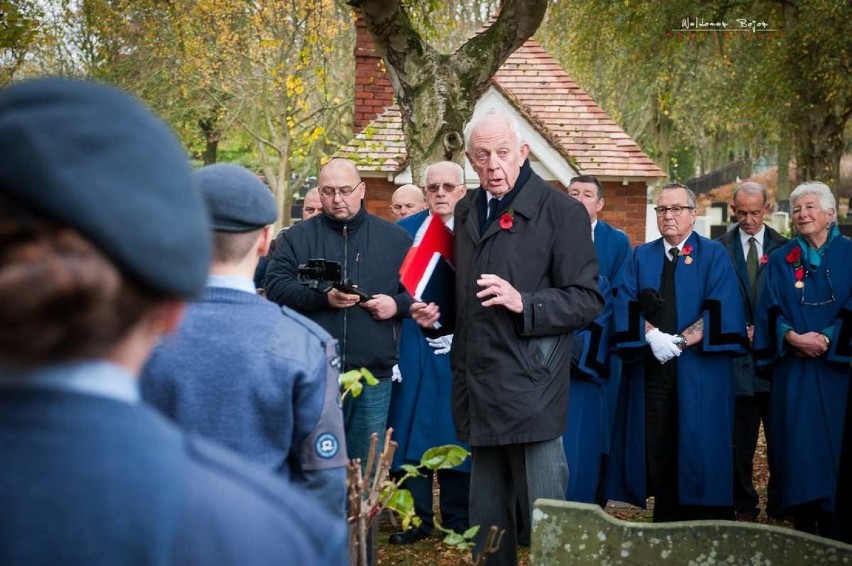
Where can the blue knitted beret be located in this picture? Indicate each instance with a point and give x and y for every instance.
(236, 199)
(93, 158)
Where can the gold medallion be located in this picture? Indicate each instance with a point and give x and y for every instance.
(688, 260)
(799, 284)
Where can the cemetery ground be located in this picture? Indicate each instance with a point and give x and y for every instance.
(432, 552)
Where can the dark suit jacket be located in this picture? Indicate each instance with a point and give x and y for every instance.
(746, 382)
(511, 371)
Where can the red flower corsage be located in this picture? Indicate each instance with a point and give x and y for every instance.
(763, 259)
(794, 258)
(687, 249)
(507, 219)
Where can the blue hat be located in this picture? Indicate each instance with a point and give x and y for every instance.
(236, 199)
(93, 158)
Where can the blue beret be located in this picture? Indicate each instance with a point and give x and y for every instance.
(236, 199)
(93, 158)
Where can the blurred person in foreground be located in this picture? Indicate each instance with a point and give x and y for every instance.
(802, 331)
(243, 371)
(103, 238)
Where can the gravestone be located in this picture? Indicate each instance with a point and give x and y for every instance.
(579, 533)
(780, 221)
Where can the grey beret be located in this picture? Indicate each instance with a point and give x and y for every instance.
(93, 158)
(237, 200)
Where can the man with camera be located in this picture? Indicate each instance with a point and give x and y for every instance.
(369, 251)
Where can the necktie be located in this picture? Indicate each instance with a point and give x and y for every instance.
(493, 204)
(751, 265)
(675, 252)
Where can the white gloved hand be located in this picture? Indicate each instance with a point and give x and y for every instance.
(662, 345)
(396, 375)
(442, 344)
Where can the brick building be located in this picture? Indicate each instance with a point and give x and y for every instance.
(568, 133)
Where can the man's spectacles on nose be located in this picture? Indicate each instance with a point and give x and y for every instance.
(344, 191)
(435, 187)
(675, 210)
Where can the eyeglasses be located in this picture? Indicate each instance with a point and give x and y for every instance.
(329, 192)
(675, 210)
(448, 187)
(818, 303)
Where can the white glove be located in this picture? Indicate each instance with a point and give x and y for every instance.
(662, 345)
(442, 344)
(396, 375)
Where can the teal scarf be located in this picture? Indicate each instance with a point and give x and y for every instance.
(813, 257)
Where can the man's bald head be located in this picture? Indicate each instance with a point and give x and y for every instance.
(406, 200)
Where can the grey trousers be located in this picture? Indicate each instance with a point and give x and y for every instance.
(500, 476)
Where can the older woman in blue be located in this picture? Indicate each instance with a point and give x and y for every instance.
(803, 327)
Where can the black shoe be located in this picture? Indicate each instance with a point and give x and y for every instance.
(408, 537)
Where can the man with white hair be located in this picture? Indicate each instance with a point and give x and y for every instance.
(421, 404)
(526, 278)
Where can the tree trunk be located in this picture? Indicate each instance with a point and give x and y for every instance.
(436, 92)
(819, 142)
(782, 191)
(211, 139)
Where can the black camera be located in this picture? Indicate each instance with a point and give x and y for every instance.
(321, 276)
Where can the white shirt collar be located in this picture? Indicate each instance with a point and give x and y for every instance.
(744, 236)
(594, 225)
(679, 247)
(236, 282)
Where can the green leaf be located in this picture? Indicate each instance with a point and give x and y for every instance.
(471, 532)
(355, 388)
(443, 457)
(414, 471)
(401, 501)
(369, 377)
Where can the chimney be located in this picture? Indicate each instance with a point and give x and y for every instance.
(373, 90)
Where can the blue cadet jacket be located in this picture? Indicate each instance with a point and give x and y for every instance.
(260, 379)
(87, 478)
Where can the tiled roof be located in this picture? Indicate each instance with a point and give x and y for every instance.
(568, 117)
(550, 100)
(380, 146)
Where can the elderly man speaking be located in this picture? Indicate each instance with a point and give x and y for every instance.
(526, 279)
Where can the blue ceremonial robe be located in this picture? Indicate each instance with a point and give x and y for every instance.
(586, 436)
(809, 395)
(707, 288)
(421, 405)
(613, 249)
